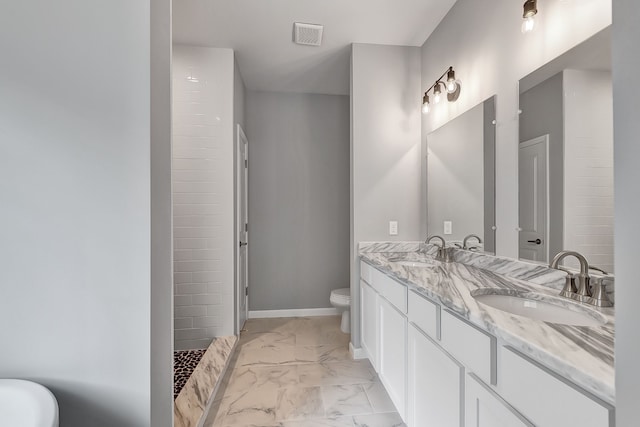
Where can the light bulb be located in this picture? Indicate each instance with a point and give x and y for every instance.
(425, 103)
(436, 93)
(530, 10)
(452, 85)
(528, 24)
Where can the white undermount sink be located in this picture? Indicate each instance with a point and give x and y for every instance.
(422, 264)
(540, 307)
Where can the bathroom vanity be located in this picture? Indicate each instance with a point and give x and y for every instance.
(448, 360)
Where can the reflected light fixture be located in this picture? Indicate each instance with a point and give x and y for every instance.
(450, 85)
(530, 10)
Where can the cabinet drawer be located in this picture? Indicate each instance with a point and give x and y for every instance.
(547, 399)
(365, 272)
(393, 291)
(471, 346)
(424, 314)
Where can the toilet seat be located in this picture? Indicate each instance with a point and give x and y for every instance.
(341, 299)
(341, 296)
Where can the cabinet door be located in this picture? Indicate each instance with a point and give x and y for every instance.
(484, 408)
(435, 384)
(369, 322)
(393, 353)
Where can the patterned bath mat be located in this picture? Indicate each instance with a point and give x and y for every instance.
(184, 363)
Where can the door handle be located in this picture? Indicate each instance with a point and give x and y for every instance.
(537, 241)
(243, 244)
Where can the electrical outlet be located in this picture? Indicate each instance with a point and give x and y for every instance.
(448, 227)
(393, 228)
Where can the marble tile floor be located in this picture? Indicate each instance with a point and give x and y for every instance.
(297, 372)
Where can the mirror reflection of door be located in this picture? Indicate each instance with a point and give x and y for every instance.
(570, 101)
(533, 199)
(243, 229)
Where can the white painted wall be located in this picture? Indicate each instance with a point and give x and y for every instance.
(626, 104)
(78, 216)
(588, 165)
(385, 151)
(455, 176)
(161, 218)
(203, 194)
(298, 199)
(490, 55)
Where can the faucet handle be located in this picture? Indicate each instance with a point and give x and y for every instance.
(599, 297)
(570, 288)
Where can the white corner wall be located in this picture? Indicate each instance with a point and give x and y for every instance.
(385, 151)
(588, 166)
(78, 215)
(203, 194)
(490, 55)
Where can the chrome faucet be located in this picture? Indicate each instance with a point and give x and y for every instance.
(443, 255)
(583, 291)
(470, 236)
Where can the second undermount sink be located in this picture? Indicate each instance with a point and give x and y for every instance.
(422, 263)
(540, 307)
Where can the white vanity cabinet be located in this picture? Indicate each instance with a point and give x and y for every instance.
(485, 408)
(436, 391)
(384, 331)
(393, 353)
(441, 370)
(369, 322)
(545, 398)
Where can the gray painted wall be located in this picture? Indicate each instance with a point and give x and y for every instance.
(298, 199)
(626, 105)
(542, 113)
(79, 218)
(385, 152)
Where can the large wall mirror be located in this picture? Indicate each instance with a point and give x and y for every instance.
(461, 178)
(566, 156)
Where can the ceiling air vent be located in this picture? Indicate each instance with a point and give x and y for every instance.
(307, 34)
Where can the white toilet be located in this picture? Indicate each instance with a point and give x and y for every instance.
(341, 299)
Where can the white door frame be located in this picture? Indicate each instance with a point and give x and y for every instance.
(242, 168)
(541, 139)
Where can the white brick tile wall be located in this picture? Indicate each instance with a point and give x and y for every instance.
(588, 187)
(203, 195)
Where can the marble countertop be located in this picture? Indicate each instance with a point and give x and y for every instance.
(584, 355)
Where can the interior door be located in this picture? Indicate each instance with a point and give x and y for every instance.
(533, 199)
(243, 229)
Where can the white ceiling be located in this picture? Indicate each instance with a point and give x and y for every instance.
(260, 31)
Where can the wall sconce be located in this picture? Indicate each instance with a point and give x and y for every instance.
(450, 85)
(529, 15)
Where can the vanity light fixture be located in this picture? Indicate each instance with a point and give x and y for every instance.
(451, 86)
(436, 93)
(530, 10)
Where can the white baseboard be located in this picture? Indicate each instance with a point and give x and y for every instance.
(304, 312)
(357, 353)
